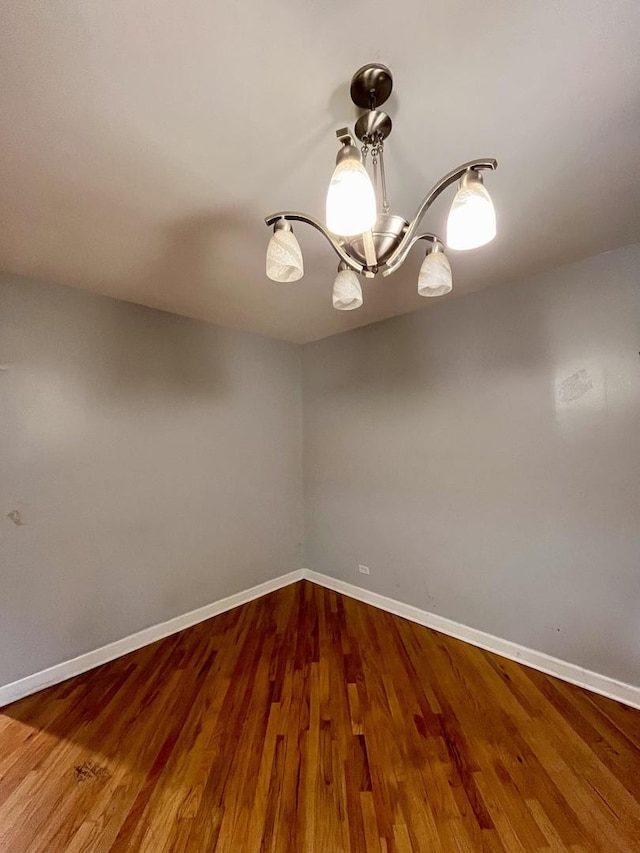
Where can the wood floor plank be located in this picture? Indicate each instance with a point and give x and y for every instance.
(306, 721)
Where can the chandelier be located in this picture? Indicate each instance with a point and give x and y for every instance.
(366, 237)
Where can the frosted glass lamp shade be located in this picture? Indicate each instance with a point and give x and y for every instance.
(434, 278)
(347, 293)
(351, 200)
(284, 258)
(472, 218)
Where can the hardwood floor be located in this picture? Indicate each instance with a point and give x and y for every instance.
(306, 721)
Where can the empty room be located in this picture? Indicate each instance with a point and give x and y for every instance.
(320, 427)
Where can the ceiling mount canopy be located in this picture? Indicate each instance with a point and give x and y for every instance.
(368, 239)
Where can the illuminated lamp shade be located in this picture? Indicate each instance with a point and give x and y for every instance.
(434, 278)
(351, 200)
(347, 293)
(472, 218)
(284, 258)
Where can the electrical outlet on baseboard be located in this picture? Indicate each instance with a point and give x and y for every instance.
(364, 570)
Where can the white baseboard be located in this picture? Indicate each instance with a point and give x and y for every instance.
(625, 693)
(62, 671)
(628, 694)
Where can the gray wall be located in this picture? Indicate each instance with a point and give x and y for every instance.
(483, 459)
(154, 460)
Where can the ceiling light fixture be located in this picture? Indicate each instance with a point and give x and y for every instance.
(368, 239)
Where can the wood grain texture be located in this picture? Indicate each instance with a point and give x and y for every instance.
(307, 721)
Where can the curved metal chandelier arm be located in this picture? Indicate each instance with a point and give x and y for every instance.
(408, 240)
(292, 216)
(432, 238)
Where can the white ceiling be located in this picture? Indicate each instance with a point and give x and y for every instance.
(142, 143)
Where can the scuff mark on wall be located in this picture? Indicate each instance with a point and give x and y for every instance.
(580, 388)
(15, 516)
(574, 386)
